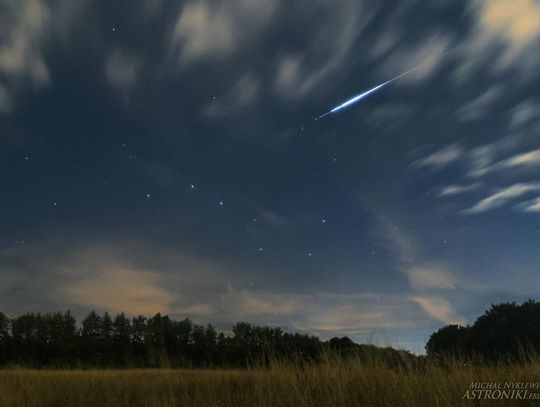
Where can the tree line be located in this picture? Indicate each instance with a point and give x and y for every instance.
(101, 340)
(505, 331)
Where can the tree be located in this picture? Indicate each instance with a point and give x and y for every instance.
(4, 338)
(506, 330)
(447, 342)
(121, 339)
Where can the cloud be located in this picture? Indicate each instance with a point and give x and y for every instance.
(515, 23)
(481, 158)
(524, 112)
(5, 100)
(21, 54)
(241, 96)
(504, 35)
(272, 218)
(426, 57)
(355, 314)
(530, 159)
(118, 278)
(423, 275)
(117, 289)
(297, 75)
(440, 158)
(439, 309)
(431, 276)
(121, 69)
(478, 107)
(451, 190)
(502, 196)
(209, 29)
(531, 206)
(523, 159)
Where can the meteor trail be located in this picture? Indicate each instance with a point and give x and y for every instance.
(363, 95)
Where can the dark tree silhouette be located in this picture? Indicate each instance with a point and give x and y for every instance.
(55, 339)
(506, 330)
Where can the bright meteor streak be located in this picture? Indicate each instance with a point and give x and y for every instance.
(363, 95)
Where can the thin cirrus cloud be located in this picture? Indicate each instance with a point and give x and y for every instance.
(439, 309)
(242, 95)
(441, 158)
(297, 74)
(479, 106)
(530, 159)
(423, 276)
(451, 190)
(502, 196)
(532, 206)
(524, 113)
(433, 276)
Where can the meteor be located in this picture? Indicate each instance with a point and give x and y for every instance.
(364, 94)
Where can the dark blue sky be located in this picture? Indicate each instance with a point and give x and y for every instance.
(163, 156)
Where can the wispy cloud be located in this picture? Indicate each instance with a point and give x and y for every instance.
(502, 196)
(478, 107)
(209, 29)
(532, 205)
(451, 190)
(440, 158)
(121, 69)
(529, 159)
(505, 34)
(243, 94)
(524, 113)
(431, 276)
(440, 309)
(425, 56)
(21, 54)
(297, 74)
(516, 24)
(423, 275)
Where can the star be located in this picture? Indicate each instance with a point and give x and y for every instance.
(55, 203)
(323, 220)
(147, 195)
(220, 203)
(260, 249)
(310, 254)
(254, 220)
(114, 29)
(191, 186)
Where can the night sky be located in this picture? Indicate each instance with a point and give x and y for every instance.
(160, 156)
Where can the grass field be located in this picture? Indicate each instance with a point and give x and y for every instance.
(334, 383)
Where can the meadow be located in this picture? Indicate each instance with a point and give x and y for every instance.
(333, 382)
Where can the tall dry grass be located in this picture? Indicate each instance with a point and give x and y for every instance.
(334, 382)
